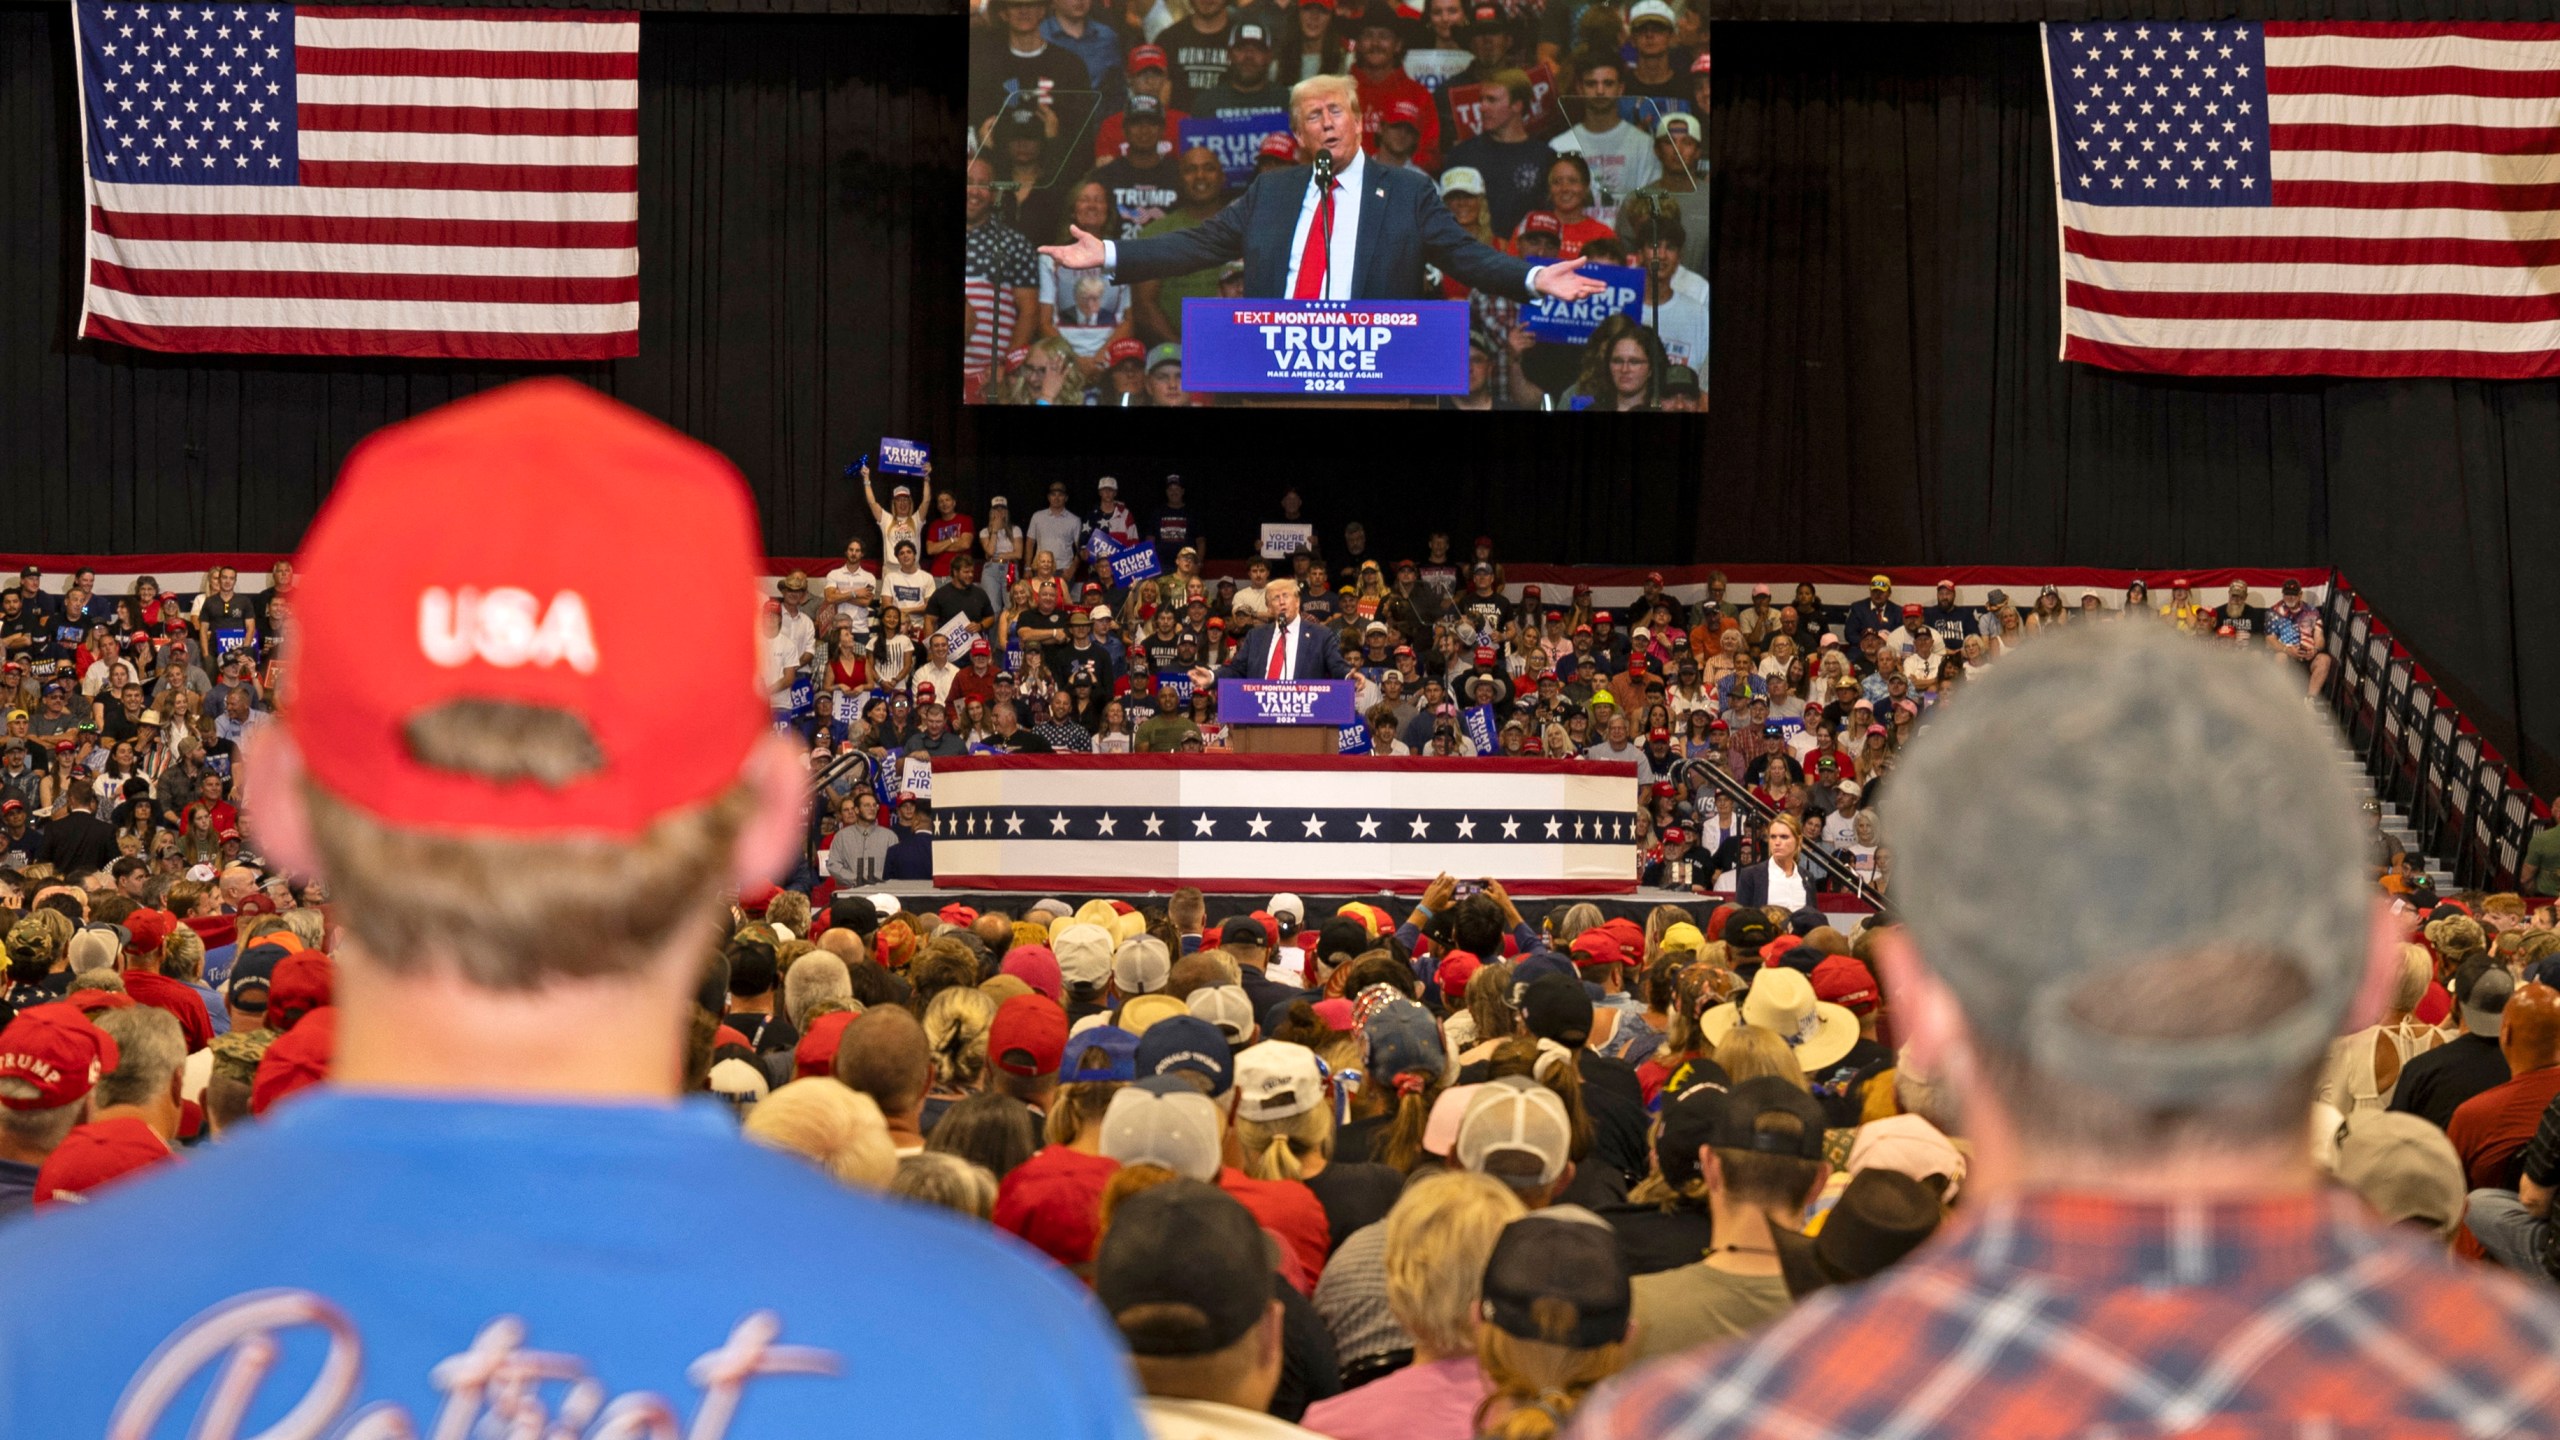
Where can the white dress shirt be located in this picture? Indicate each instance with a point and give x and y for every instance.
(1285, 638)
(1353, 188)
(1785, 890)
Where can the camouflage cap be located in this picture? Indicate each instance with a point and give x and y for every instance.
(236, 1054)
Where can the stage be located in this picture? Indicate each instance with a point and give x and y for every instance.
(1844, 912)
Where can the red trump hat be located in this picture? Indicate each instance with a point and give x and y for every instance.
(497, 537)
(55, 1049)
(1279, 145)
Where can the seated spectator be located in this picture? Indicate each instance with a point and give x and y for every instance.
(1761, 1166)
(838, 1130)
(1556, 1312)
(1184, 1275)
(2434, 1085)
(1435, 1245)
(2491, 1129)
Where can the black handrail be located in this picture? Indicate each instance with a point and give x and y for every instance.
(1752, 805)
(825, 779)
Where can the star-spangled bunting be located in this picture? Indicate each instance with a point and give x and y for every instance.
(1266, 825)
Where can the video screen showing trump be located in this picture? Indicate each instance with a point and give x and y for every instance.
(1446, 204)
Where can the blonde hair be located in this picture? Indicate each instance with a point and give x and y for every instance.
(182, 955)
(1275, 1149)
(955, 1029)
(1748, 1052)
(1540, 1381)
(1323, 87)
(2417, 967)
(831, 1125)
(933, 1178)
(1439, 1236)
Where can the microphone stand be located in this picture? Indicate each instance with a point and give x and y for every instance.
(1324, 214)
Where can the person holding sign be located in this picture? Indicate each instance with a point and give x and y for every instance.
(1289, 648)
(898, 521)
(1368, 237)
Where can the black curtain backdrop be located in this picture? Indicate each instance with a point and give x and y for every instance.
(1888, 314)
(792, 172)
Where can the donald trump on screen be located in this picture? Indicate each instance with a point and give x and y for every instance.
(1339, 229)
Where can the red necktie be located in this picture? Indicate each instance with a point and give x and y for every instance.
(1311, 260)
(1278, 669)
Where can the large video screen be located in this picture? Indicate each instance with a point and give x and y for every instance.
(1471, 205)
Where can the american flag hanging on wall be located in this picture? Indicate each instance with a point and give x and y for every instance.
(2364, 199)
(344, 180)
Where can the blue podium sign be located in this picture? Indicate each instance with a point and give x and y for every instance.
(1287, 702)
(1325, 347)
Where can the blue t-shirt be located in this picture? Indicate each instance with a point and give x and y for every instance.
(620, 1260)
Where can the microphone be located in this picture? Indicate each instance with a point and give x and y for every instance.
(1324, 211)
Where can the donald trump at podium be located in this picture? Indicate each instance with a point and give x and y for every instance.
(1289, 648)
(1340, 229)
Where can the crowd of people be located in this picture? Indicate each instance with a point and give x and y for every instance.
(1001, 632)
(1549, 129)
(2146, 1111)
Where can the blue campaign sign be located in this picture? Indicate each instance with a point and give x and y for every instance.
(1351, 740)
(1287, 702)
(1128, 565)
(1570, 322)
(1235, 139)
(903, 457)
(1480, 729)
(1325, 347)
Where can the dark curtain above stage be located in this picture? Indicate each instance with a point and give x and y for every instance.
(1887, 318)
(793, 174)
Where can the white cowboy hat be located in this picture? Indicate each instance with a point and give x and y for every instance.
(1782, 1000)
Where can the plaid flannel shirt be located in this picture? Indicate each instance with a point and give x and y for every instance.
(2086, 1316)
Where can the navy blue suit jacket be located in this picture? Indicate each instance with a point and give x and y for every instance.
(1319, 655)
(1402, 225)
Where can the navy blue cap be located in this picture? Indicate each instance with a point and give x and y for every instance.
(1187, 1042)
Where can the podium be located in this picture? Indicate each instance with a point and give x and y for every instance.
(1286, 717)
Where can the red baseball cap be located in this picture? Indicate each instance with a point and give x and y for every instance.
(1456, 969)
(1146, 57)
(1541, 222)
(1401, 112)
(55, 1049)
(1844, 980)
(1702, 65)
(1597, 947)
(1659, 736)
(1909, 611)
(299, 987)
(1628, 934)
(1279, 145)
(1028, 1036)
(501, 533)
(957, 914)
(1123, 350)
(298, 1060)
(96, 1153)
(816, 1052)
(1037, 967)
(148, 929)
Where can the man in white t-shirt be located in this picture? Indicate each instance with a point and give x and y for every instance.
(851, 580)
(1675, 301)
(1621, 155)
(905, 584)
(1840, 827)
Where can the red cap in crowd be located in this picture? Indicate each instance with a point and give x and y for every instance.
(1844, 980)
(90, 1002)
(1541, 222)
(55, 1049)
(1401, 112)
(1659, 736)
(1456, 969)
(1028, 1036)
(956, 914)
(1279, 146)
(500, 534)
(1701, 65)
(1037, 967)
(1597, 947)
(816, 1052)
(298, 1060)
(1146, 57)
(148, 930)
(1123, 350)
(95, 1153)
(300, 986)
(1910, 612)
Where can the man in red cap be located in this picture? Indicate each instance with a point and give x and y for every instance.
(50, 1058)
(527, 819)
(149, 933)
(134, 1110)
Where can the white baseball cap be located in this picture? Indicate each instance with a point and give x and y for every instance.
(1652, 10)
(1461, 179)
(1519, 1114)
(1084, 954)
(1163, 1122)
(1228, 1008)
(1101, 612)
(1277, 1080)
(1286, 904)
(1681, 122)
(1142, 966)
(885, 903)
(1106, 483)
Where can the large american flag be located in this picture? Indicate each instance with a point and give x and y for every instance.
(2309, 199)
(343, 180)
